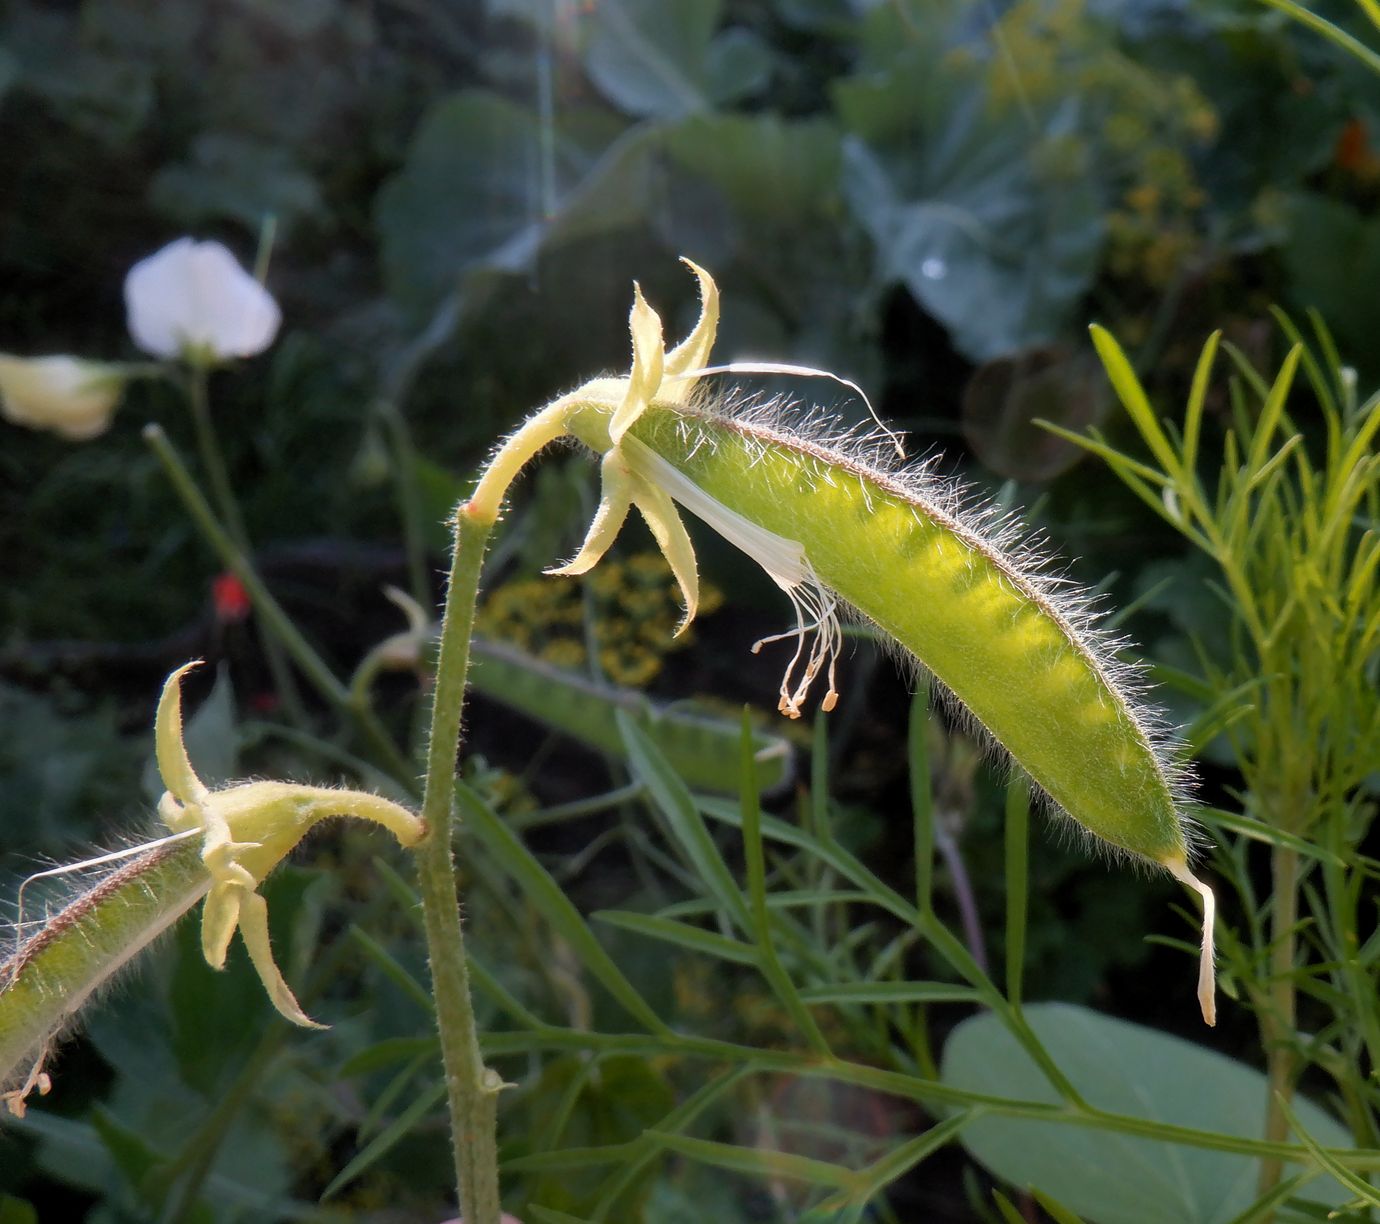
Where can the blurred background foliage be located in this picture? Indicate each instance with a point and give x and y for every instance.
(933, 198)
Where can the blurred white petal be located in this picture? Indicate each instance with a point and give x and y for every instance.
(194, 299)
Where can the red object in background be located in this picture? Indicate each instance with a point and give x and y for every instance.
(1354, 153)
(230, 598)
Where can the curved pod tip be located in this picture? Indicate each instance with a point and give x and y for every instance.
(1207, 983)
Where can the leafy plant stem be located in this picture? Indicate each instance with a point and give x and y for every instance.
(1278, 1021)
(271, 613)
(213, 462)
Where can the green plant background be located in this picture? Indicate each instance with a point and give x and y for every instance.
(933, 199)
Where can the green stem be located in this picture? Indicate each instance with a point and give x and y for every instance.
(471, 1088)
(213, 461)
(271, 613)
(1278, 1023)
(409, 499)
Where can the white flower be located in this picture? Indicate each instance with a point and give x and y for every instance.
(72, 397)
(194, 300)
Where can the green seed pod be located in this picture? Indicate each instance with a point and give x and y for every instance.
(47, 978)
(959, 590)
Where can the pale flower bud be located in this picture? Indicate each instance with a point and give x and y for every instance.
(193, 300)
(72, 397)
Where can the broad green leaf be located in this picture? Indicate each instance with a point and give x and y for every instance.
(466, 196)
(487, 185)
(778, 169)
(1127, 1069)
(236, 177)
(989, 217)
(651, 57)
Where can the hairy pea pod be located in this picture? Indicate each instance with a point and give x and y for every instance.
(47, 977)
(959, 591)
(965, 600)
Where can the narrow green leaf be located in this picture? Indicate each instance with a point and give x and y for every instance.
(693, 938)
(1197, 399)
(872, 1180)
(387, 1139)
(1256, 830)
(391, 969)
(1057, 1212)
(675, 803)
(1272, 410)
(552, 903)
(1008, 1212)
(755, 857)
(877, 993)
(1133, 398)
(759, 1162)
(1017, 884)
(1362, 1189)
(1351, 45)
(921, 797)
(1264, 1207)
(486, 983)
(387, 1052)
(567, 1160)
(819, 779)
(382, 1104)
(782, 899)
(16, 1211)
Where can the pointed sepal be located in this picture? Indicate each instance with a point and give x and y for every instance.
(254, 932)
(692, 353)
(656, 506)
(649, 354)
(174, 764)
(616, 494)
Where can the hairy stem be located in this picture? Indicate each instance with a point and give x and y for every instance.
(472, 1089)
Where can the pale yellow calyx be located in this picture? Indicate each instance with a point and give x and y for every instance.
(666, 378)
(248, 828)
